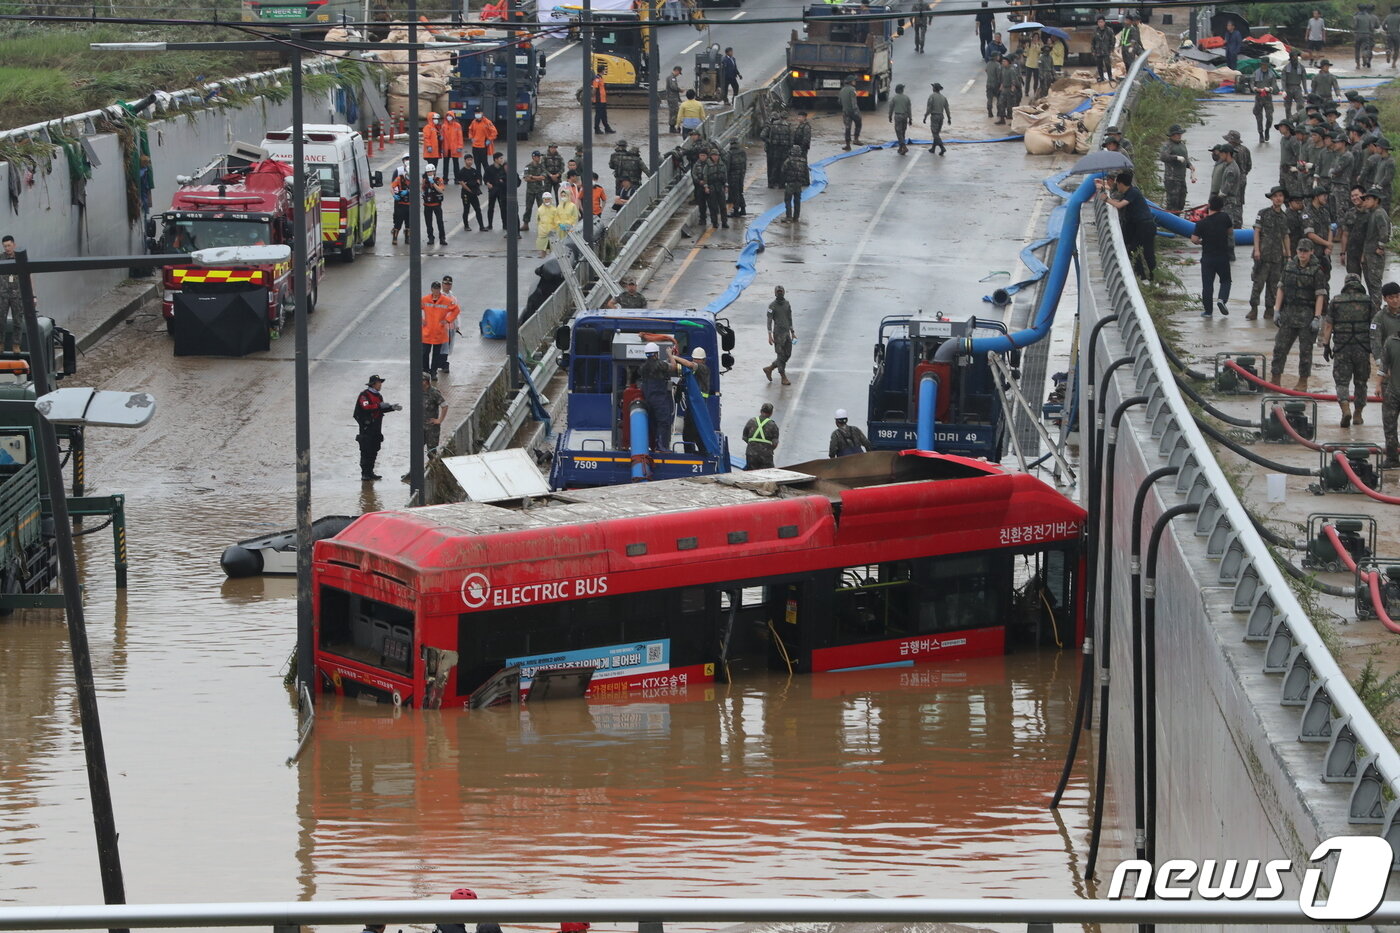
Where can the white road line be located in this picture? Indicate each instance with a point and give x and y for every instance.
(968, 86)
(850, 271)
(691, 46)
(553, 55)
(741, 13)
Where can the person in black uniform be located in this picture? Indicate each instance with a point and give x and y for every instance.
(370, 409)
(1139, 226)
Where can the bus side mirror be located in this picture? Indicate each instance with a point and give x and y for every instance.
(563, 361)
(376, 180)
(542, 63)
(561, 338)
(726, 360)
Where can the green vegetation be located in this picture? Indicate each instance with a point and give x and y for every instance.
(1156, 108)
(50, 71)
(1379, 694)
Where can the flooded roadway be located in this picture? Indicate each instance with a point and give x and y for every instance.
(928, 781)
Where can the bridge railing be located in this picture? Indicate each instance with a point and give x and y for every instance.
(1340, 737)
(1038, 915)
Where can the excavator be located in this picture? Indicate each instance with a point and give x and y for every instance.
(623, 42)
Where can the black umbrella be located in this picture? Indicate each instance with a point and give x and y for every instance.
(1105, 160)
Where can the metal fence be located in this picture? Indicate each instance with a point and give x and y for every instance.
(1348, 746)
(497, 415)
(1036, 914)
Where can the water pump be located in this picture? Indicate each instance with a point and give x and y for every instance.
(1389, 571)
(1301, 414)
(1356, 532)
(1228, 380)
(1364, 462)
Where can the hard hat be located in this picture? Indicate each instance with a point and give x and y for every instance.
(840, 414)
(699, 353)
(432, 116)
(573, 927)
(651, 348)
(464, 894)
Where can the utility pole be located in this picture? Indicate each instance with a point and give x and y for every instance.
(103, 818)
(653, 53)
(513, 229)
(305, 666)
(586, 33)
(415, 267)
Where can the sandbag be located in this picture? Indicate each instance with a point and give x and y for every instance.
(1092, 117)
(442, 103)
(1155, 42)
(1026, 116)
(1049, 138)
(1082, 139)
(398, 106)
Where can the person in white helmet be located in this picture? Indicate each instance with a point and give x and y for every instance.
(654, 378)
(846, 439)
(691, 432)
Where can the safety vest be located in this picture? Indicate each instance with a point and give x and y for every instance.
(1351, 321)
(758, 437)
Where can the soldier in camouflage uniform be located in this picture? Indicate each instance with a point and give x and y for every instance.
(760, 439)
(1231, 187)
(1301, 296)
(630, 297)
(1385, 346)
(1339, 178)
(1377, 235)
(993, 71)
(796, 176)
(535, 178)
(617, 163)
(1317, 226)
(1245, 160)
(553, 169)
(777, 140)
(1271, 251)
(1288, 148)
(1347, 326)
(736, 165)
(1176, 160)
(1353, 224)
(1384, 175)
(11, 303)
(1010, 87)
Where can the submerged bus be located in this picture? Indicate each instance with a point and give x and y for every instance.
(881, 559)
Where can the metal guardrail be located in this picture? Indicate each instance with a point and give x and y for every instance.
(1357, 750)
(498, 414)
(1037, 914)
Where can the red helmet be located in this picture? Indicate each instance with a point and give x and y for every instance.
(573, 927)
(464, 894)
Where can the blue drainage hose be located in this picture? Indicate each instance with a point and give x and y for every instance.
(928, 409)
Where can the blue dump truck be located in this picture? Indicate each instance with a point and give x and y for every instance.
(609, 426)
(478, 81)
(953, 407)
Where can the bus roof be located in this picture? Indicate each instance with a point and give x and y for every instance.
(868, 495)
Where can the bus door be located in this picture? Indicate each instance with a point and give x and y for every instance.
(796, 618)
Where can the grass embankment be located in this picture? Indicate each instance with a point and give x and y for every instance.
(47, 72)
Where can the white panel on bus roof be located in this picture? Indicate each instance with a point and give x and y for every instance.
(498, 475)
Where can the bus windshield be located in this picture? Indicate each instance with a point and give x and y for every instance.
(190, 233)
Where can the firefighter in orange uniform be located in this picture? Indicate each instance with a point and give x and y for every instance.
(453, 146)
(600, 105)
(481, 132)
(432, 140)
(439, 314)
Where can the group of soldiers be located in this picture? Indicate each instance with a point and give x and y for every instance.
(718, 178)
(1331, 203)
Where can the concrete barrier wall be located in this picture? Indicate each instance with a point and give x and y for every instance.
(49, 225)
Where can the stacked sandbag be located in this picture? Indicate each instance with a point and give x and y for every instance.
(1156, 43)
(1028, 115)
(1092, 117)
(1051, 136)
(1184, 74)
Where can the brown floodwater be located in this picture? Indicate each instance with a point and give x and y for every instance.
(930, 780)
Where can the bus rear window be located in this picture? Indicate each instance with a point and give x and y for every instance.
(366, 630)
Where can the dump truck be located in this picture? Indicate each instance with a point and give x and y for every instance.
(837, 44)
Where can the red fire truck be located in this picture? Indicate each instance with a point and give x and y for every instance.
(880, 559)
(239, 201)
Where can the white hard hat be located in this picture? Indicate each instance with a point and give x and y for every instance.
(699, 353)
(840, 414)
(651, 348)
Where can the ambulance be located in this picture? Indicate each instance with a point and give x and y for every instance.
(335, 154)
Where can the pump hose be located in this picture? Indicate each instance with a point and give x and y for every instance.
(1276, 411)
(1211, 409)
(1371, 578)
(1341, 458)
(1180, 364)
(1272, 387)
(1311, 582)
(1250, 455)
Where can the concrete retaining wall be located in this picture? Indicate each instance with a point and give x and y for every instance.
(49, 225)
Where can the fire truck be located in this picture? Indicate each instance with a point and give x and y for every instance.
(241, 199)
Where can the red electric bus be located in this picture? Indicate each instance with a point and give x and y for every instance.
(881, 559)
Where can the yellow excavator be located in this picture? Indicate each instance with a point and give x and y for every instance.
(623, 40)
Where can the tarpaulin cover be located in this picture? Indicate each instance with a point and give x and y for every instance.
(222, 323)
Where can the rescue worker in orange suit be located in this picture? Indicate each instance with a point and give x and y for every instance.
(481, 133)
(600, 105)
(432, 140)
(439, 315)
(370, 409)
(454, 144)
